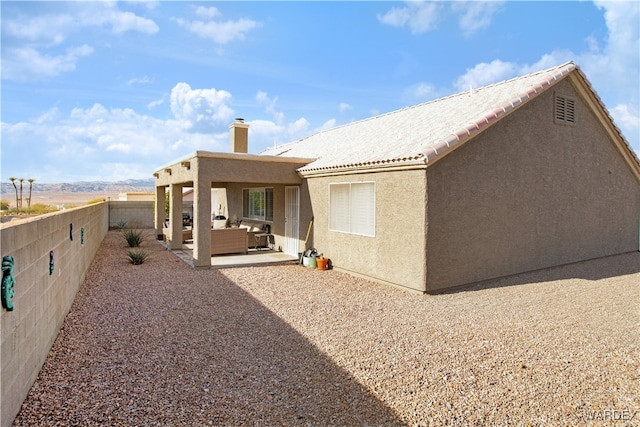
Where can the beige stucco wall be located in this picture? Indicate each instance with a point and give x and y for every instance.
(396, 253)
(42, 300)
(529, 194)
(225, 167)
(234, 200)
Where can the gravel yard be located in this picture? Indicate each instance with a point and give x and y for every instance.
(163, 344)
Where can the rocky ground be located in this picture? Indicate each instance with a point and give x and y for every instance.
(163, 344)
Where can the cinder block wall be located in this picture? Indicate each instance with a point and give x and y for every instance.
(42, 300)
(137, 214)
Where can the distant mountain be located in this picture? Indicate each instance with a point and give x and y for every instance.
(85, 186)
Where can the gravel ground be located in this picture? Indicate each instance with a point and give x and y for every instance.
(163, 344)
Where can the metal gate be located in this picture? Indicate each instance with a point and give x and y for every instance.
(292, 220)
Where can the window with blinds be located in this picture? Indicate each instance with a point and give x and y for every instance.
(257, 203)
(352, 208)
(565, 110)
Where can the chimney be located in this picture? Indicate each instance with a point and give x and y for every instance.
(239, 136)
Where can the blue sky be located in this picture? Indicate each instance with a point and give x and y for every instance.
(115, 90)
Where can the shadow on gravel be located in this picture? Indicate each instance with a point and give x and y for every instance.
(140, 348)
(593, 270)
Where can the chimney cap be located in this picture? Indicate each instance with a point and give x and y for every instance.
(239, 120)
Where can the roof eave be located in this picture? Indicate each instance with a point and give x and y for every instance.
(418, 162)
(237, 156)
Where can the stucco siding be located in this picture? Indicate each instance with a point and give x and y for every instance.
(528, 194)
(396, 253)
(234, 200)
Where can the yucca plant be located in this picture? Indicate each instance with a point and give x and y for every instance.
(133, 237)
(137, 256)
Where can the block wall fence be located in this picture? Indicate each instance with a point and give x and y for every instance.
(137, 214)
(43, 298)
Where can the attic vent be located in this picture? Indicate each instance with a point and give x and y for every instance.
(565, 110)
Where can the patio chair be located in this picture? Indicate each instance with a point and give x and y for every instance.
(270, 241)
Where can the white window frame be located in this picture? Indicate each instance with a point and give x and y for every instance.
(265, 215)
(345, 216)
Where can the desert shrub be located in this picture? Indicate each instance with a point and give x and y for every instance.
(4, 205)
(41, 208)
(133, 237)
(137, 256)
(94, 201)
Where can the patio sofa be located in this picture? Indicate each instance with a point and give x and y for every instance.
(229, 241)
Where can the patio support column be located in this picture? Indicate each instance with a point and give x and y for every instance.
(159, 214)
(175, 216)
(202, 222)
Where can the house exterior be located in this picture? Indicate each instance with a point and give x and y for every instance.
(520, 175)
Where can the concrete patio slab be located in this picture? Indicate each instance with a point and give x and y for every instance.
(253, 257)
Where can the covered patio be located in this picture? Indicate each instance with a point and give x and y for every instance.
(252, 258)
(262, 194)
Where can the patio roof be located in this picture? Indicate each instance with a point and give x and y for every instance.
(231, 167)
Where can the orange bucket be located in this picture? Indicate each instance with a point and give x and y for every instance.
(322, 263)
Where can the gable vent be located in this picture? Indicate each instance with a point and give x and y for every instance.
(565, 110)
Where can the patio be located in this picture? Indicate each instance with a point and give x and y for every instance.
(258, 256)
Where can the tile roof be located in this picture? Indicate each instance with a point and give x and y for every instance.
(421, 133)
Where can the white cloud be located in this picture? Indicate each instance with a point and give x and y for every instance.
(139, 80)
(154, 104)
(266, 133)
(548, 60)
(30, 39)
(299, 127)
(266, 129)
(49, 29)
(419, 16)
(270, 106)
(200, 109)
(344, 107)
(101, 143)
(331, 123)
(219, 31)
(420, 91)
(27, 63)
(48, 116)
(54, 28)
(119, 146)
(476, 15)
(615, 64)
(208, 12)
(120, 22)
(626, 116)
(486, 73)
